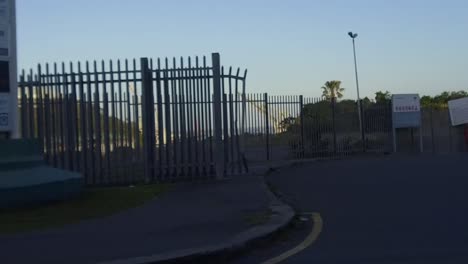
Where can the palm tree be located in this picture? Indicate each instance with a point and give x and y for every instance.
(332, 89)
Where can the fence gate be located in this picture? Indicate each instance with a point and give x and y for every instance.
(129, 121)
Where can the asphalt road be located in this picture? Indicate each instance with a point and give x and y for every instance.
(403, 210)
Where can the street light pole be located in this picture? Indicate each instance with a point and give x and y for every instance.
(361, 128)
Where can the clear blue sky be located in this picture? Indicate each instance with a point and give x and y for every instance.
(289, 47)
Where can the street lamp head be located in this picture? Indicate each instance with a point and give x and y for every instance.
(352, 35)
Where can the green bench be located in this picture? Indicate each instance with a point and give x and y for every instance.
(26, 180)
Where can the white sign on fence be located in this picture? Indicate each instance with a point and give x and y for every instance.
(5, 112)
(406, 103)
(406, 113)
(458, 109)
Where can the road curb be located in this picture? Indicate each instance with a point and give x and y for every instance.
(281, 217)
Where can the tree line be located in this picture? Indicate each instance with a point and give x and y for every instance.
(332, 90)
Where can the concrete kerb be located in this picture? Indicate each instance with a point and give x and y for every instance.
(282, 215)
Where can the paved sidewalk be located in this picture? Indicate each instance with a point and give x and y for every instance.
(191, 218)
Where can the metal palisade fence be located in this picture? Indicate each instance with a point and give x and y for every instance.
(182, 119)
(296, 127)
(137, 121)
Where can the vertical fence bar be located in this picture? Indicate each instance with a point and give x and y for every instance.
(301, 116)
(83, 118)
(333, 106)
(55, 119)
(126, 146)
(48, 135)
(363, 132)
(211, 108)
(236, 122)
(195, 117)
(31, 99)
(120, 153)
(267, 125)
(225, 132)
(322, 142)
(225, 121)
(53, 150)
(204, 111)
(159, 112)
(257, 116)
(148, 118)
(135, 124)
(98, 127)
(128, 127)
(114, 119)
(47, 115)
(198, 119)
(167, 117)
(66, 118)
(71, 91)
(90, 127)
(190, 143)
(75, 143)
(175, 113)
(97, 133)
(55, 115)
(183, 130)
(40, 107)
(22, 88)
(107, 166)
(60, 117)
(72, 119)
(218, 140)
(231, 121)
(244, 116)
(105, 117)
(432, 129)
(137, 135)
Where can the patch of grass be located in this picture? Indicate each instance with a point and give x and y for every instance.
(258, 218)
(93, 203)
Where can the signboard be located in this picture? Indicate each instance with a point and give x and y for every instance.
(458, 109)
(4, 28)
(406, 110)
(8, 71)
(404, 103)
(406, 113)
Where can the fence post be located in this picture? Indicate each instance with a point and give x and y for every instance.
(40, 107)
(217, 117)
(22, 88)
(449, 132)
(30, 111)
(363, 120)
(333, 105)
(267, 125)
(301, 109)
(148, 119)
(432, 129)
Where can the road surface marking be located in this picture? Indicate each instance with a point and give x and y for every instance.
(310, 239)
